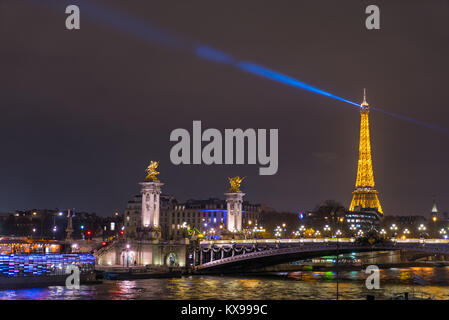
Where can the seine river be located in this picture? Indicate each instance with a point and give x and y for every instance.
(305, 285)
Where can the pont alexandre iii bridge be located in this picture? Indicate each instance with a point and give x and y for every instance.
(233, 255)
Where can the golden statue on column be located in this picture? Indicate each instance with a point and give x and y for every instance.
(235, 183)
(151, 171)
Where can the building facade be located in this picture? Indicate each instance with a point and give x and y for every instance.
(208, 216)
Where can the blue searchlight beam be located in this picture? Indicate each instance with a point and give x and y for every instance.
(144, 30)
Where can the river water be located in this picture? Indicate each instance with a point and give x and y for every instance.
(434, 282)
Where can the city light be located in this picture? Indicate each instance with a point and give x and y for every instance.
(278, 232)
(405, 233)
(421, 227)
(394, 228)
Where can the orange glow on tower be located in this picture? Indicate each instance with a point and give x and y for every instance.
(365, 195)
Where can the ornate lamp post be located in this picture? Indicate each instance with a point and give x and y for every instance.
(421, 229)
(278, 232)
(353, 229)
(394, 229)
(326, 229)
(406, 232)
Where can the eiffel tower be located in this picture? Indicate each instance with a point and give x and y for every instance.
(365, 195)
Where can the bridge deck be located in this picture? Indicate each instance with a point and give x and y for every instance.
(262, 252)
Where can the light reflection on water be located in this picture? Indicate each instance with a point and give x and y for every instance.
(304, 285)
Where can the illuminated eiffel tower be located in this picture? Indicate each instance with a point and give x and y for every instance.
(364, 195)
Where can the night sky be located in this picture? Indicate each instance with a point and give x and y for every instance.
(83, 112)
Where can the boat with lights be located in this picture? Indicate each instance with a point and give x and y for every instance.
(40, 263)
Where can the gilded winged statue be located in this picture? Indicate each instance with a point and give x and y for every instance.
(235, 183)
(151, 171)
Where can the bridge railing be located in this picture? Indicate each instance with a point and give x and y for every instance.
(319, 240)
(258, 241)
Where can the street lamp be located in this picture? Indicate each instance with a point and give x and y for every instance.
(394, 228)
(278, 232)
(326, 229)
(284, 230)
(421, 230)
(258, 229)
(443, 233)
(352, 228)
(405, 233)
(300, 231)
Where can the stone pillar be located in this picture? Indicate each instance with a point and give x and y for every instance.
(150, 191)
(234, 211)
(156, 209)
(69, 229)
